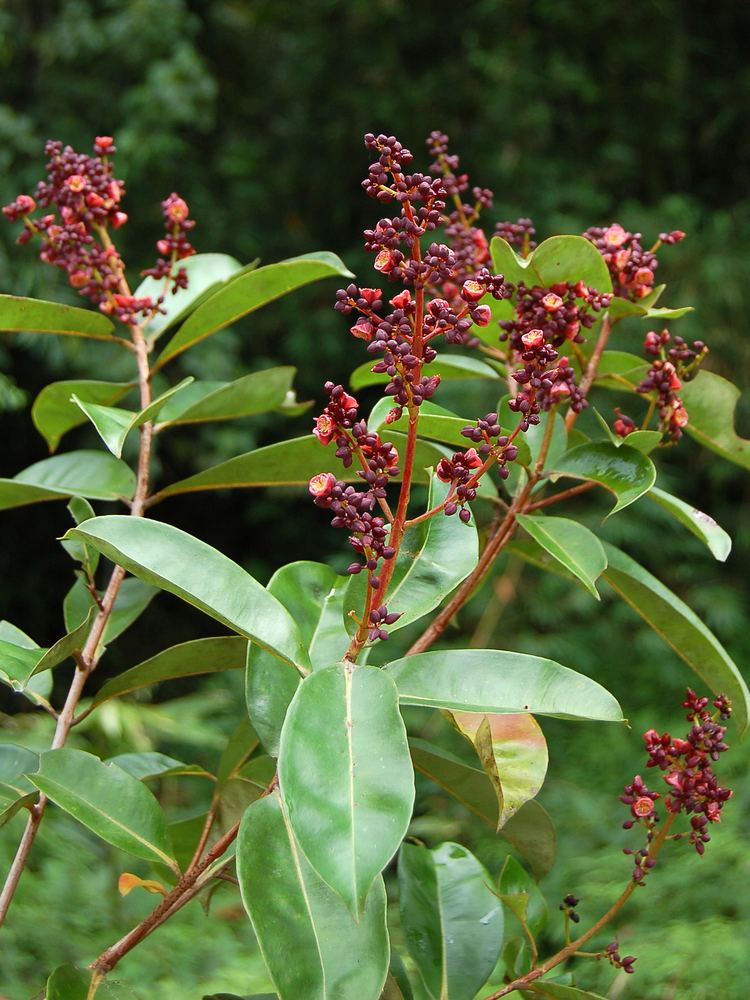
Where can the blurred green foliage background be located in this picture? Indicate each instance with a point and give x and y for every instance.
(575, 112)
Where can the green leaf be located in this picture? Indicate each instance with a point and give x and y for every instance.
(16, 792)
(521, 895)
(452, 921)
(450, 367)
(92, 474)
(150, 764)
(572, 544)
(199, 656)
(111, 803)
(171, 559)
(114, 424)
(435, 557)
(513, 754)
(39, 684)
(711, 402)
(242, 742)
(72, 642)
(620, 370)
(496, 681)
(625, 472)
(259, 392)
(69, 983)
(701, 525)
(680, 628)
(81, 510)
(249, 292)
(530, 830)
(54, 413)
(238, 792)
(36, 316)
(344, 728)
(559, 991)
(19, 664)
(644, 441)
(133, 598)
(291, 463)
(270, 686)
(558, 259)
(321, 953)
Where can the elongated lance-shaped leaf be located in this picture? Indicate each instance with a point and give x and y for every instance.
(498, 681)
(701, 525)
(346, 776)
(114, 424)
(571, 543)
(711, 402)
(625, 472)
(92, 474)
(292, 463)
(149, 764)
(680, 627)
(259, 392)
(559, 258)
(530, 830)
(513, 754)
(450, 367)
(113, 804)
(249, 292)
(54, 413)
(40, 685)
(133, 598)
(36, 316)
(20, 663)
(321, 954)
(199, 656)
(451, 919)
(313, 593)
(183, 565)
(16, 791)
(435, 557)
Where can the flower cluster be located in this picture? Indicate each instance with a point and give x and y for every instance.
(84, 200)
(519, 234)
(630, 266)
(612, 953)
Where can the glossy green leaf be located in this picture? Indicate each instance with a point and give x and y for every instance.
(249, 292)
(114, 805)
(114, 424)
(452, 921)
(560, 991)
(701, 525)
(529, 830)
(521, 895)
(133, 598)
(625, 472)
(69, 983)
(36, 316)
(497, 681)
(16, 792)
(291, 463)
(242, 742)
(313, 594)
(93, 474)
(259, 392)
(246, 786)
(435, 557)
(54, 413)
(36, 685)
(321, 953)
(346, 776)
(72, 642)
(711, 402)
(557, 259)
(450, 367)
(171, 559)
(150, 764)
(17, 663)
(620, 370)
(81, 510)
(680, 628)
(644, 441)
(513, 754)
(398, 980)
(199, 656)
(571, 543)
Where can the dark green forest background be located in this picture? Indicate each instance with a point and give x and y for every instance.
(575, 112)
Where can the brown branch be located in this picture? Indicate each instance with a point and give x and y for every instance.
(565, 495)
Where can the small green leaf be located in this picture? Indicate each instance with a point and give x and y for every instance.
(344, 728)
(701, 525)
(620, 370)
(450, 367)
(558, 259)
(521, 895)
(242, 742)
(133, 598)
(70, 643)
(150, 764)
(571, 543)
(54, 413)
(644, 441)
(625, 472)
(92, 474)
(199, 656)
(249, 784)
(16, 792)
(711, 402)
(111, 803)
(69, 983)
(680, 628)
(249, 292)
(322, 953)
(559, 991)
(513, 753)
(171, 559)
(36, 316)
(452, 921)
(17, 664)
(496, 681)
(259, 392)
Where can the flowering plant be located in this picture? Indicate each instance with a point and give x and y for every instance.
(324, 760)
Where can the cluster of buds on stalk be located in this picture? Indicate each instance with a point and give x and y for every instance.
(693, 788)
(80, 203)
(631, 267)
